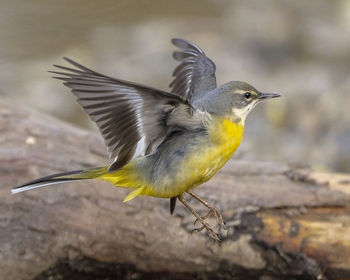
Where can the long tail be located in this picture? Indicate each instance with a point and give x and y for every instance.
(61, 178)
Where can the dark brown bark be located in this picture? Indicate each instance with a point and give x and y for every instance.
(284, 222)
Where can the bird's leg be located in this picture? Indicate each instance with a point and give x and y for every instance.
(212, 211)
(206, 226)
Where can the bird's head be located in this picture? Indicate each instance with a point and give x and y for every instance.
(233, 100)
(243, 98)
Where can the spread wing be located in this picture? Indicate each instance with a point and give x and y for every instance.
(195, 75)
(130, 117)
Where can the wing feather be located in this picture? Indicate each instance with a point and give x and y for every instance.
(195, 75)
(128, 115)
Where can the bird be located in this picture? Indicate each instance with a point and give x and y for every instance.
(162, 143)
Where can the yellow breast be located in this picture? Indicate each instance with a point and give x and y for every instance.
(226, 133)
(200, 165)
(226, 136)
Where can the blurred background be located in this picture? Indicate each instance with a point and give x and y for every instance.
(300, 49)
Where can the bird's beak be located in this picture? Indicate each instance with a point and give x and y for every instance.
(268, 95)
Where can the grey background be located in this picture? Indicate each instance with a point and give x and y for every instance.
(300, 49)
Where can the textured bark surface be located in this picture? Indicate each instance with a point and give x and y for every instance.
(284, 222)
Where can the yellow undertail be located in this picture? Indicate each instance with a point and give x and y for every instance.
(126, 177)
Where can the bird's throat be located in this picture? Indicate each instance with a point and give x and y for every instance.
(227, 132)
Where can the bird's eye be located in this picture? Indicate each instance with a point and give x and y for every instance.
(247, 95)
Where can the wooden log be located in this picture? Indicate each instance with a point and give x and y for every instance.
(284, 221)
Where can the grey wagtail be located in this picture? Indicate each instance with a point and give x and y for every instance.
(163, 144)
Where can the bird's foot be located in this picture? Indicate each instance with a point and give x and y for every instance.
(212, 234)
(218, 217)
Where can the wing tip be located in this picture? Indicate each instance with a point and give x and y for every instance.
(68, 59)
(80, 69)
(174, 41)
(185, 45)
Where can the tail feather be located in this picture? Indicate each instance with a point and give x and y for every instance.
(60, 178)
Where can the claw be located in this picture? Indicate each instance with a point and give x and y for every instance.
(212, 234)
(197, 229)
(219, 218)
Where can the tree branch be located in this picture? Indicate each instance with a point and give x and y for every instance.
(284, 222)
